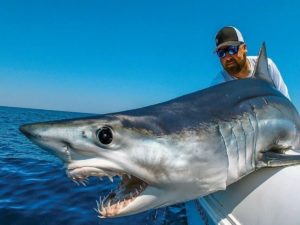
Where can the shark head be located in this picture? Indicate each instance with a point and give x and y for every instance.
(150, 165)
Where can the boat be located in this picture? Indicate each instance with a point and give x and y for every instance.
(269, 196)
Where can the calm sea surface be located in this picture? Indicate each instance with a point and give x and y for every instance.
(34, 188)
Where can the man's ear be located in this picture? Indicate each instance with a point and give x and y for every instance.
(245, 48)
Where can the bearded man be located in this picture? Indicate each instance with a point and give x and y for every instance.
(232, 52)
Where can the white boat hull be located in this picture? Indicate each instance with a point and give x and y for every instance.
(269, 196)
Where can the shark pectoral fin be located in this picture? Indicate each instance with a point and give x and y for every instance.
(275, 159)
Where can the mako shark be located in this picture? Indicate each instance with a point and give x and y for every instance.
(181, 149)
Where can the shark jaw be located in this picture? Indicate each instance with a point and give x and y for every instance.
(129, 191)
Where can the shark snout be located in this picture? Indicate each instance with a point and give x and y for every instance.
(28, 130)
(47, 138)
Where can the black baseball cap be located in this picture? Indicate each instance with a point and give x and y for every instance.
(228, 36)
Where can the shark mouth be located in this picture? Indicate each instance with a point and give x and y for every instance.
(126, 192)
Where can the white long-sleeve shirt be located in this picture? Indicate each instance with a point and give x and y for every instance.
(275, 75)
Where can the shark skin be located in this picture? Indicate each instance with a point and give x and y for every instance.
(178, 150)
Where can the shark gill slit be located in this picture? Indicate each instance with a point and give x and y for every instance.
(245, 140)
(236, 143)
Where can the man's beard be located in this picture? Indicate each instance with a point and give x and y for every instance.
(234, 66)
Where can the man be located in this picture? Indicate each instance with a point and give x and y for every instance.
(232, 52)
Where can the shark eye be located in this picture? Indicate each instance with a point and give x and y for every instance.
(105, 135)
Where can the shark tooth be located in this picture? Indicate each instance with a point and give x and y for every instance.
(111, 178)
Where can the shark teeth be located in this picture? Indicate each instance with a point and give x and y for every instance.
(127, 191)
(111, 206)
(81, 175)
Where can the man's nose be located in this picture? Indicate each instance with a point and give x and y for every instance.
(227, 56)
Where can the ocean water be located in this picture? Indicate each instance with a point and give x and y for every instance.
(34, 188)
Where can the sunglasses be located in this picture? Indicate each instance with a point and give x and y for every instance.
(232, 50)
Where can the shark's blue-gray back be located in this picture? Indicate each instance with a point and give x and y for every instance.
(221, 102)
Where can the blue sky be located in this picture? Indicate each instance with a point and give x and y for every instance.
(105, 56)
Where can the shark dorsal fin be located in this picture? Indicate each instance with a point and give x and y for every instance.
(261, 70)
